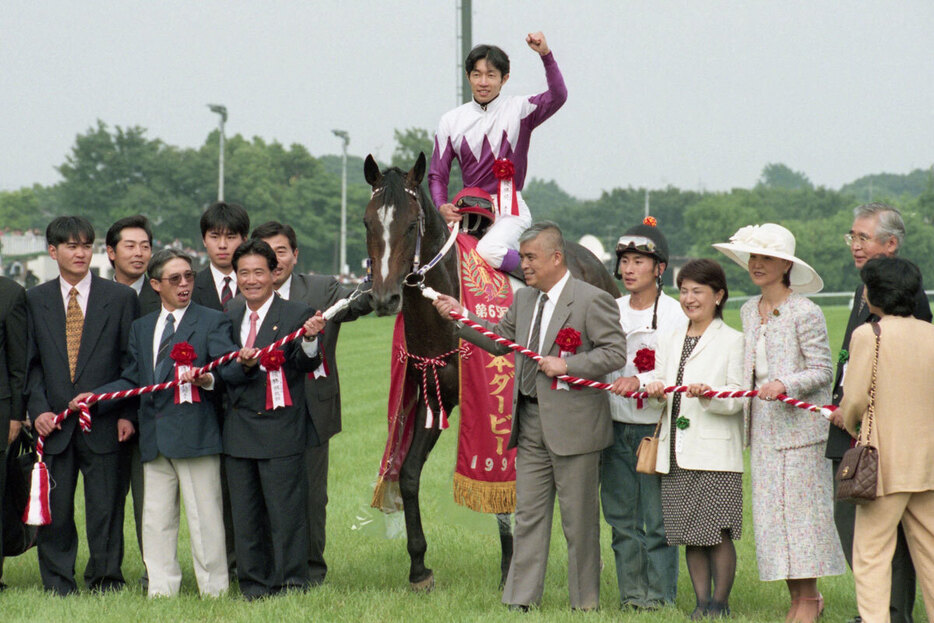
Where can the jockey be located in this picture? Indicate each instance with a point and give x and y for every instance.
(493, 130)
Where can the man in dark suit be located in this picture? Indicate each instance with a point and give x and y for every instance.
(878, 230)
(78, 328)
(12, 376)
(559, 433)
(265, 433)
(223, 227)
(180, 440)
(129, 249)
(322, 389)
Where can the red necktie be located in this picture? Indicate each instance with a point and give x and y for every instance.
(251, 336)
(226, 293)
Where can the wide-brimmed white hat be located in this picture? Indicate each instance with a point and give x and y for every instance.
(775, 241)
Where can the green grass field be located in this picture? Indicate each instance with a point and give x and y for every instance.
(368, 573)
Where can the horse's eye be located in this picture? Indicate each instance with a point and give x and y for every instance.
(411, 227)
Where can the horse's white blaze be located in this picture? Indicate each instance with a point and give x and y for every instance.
(385, 218)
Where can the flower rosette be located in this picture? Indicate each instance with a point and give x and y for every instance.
(277, 389)
(645, 360)
(651, 221)
(504, 171)
(568, 341)
(183, 354)
(843, 356)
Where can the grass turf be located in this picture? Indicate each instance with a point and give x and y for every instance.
(367, 580)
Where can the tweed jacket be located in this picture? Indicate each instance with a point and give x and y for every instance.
(798, 353)
(901, 428)
(714, 439)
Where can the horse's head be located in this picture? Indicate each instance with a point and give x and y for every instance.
(394, 221)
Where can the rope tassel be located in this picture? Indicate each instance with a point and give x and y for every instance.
(37, 511)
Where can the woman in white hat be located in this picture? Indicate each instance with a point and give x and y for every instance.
(787, 352)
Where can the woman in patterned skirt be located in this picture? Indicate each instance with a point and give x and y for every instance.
(787, 352)
(700, 449)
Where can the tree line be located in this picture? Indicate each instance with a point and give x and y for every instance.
(114, 172)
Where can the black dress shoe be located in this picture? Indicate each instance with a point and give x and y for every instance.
(518, 607)
(856, 619)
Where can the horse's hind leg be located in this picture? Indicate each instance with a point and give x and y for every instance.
(423, 441)
(504, 520)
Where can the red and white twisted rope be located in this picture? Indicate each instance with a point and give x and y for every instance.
(422, 364)
(432, 294)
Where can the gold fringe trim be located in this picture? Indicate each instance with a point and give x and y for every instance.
(485, 497)
(386, 496)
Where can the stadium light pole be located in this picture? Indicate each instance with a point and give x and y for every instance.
(345, 140)
(222, 111)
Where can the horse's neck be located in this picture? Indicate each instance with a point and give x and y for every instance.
(427, 333)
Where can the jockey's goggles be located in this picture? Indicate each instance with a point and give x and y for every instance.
(636, 243)
(474, 202)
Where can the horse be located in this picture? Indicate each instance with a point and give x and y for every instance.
(401, 223)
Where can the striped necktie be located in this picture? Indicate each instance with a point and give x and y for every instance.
(226, 293)
(167, 334)
(530, 367)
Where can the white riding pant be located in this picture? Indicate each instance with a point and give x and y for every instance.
(504, 233)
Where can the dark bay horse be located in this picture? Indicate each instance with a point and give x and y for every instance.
(398, 215)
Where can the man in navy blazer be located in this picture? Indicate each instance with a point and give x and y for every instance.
(179, 439)
(265, 434)
(99, 313)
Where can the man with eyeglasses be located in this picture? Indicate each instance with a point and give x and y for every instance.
(179, 437)
(878, 230)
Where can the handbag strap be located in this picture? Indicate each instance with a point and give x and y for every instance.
(658, 427)
(871, 411)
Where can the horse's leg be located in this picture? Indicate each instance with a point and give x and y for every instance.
(423, 441)
(505, 540)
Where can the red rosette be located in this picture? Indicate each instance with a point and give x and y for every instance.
(645, 360)
(568, 340)
(650, 221)
(272, 360)
(183, 354)
(503, 169)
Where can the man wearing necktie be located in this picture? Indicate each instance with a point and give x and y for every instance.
(322, 387)
(223, 227)
(78, 330)
(878, 231)
(179, 438)
(265, 429)
(559, 432)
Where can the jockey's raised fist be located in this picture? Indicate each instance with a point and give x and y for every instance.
(537, 42)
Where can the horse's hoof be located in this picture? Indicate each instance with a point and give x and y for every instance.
(425, 585)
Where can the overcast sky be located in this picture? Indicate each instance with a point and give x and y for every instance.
(696, 94)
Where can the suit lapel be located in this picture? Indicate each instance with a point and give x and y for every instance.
(298, 290)
(710, 335)
(269, 330)
(94, 321)
(558, 317)
(205, 290)
(145, 354)
(55, 318)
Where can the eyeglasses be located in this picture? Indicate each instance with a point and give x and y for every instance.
(175, 280)
(635, 243)
(859, 240)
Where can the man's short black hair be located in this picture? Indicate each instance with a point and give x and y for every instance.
(225, 217)
(255, 246)
(64, 229)
(493, 55)
(275, 228)
(892, 283)
(115, 233)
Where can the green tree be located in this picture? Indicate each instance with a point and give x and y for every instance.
(777, 175)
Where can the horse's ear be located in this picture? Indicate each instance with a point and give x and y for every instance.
(417, 173)
(371, 171)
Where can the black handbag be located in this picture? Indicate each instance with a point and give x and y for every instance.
(858, 474)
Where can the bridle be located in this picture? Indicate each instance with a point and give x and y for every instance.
(416, 278)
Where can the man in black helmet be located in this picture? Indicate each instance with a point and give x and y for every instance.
(646, 567)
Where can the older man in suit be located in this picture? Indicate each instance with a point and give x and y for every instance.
(265, 433)
(180, 441)
(322, 389)
(79, 327)
(878, 231)
(12, 375)
(559, 433)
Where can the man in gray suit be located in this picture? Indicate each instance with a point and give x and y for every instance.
(322, 387)
(559, 432)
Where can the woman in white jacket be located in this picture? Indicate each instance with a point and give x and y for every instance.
(702, 488)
